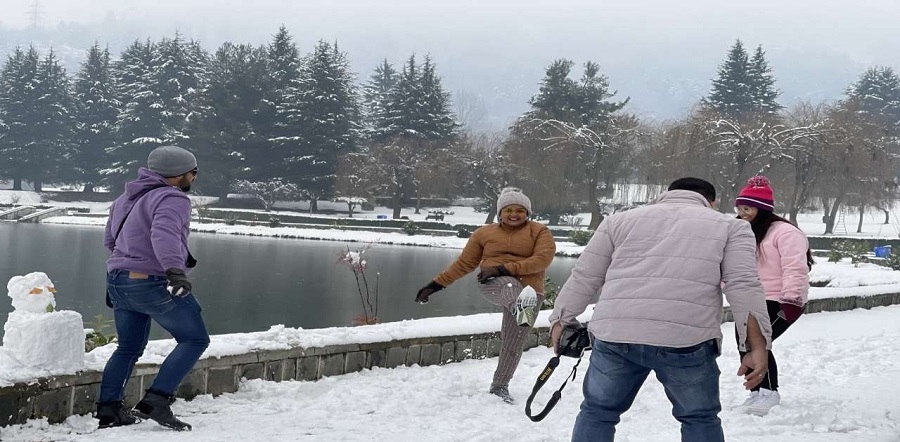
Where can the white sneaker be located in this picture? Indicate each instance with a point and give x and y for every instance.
(754, 396)
(767, 400)
(526, 307)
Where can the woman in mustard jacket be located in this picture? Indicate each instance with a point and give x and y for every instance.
(511, 255)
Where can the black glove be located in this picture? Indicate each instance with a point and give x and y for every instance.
(178, 284)
(428, 290)
(488, 273)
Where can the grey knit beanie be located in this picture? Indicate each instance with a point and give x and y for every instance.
(170, 161)
(513, 195)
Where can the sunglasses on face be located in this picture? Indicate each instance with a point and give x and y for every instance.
(514, 211)
(195, 171)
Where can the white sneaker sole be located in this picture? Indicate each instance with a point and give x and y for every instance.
(758, 411)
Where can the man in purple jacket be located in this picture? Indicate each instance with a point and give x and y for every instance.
(147, 236)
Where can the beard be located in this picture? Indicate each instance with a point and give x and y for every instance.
(185, 184)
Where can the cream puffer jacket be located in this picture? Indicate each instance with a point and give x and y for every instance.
(657, 275)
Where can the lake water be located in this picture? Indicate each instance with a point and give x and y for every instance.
(250, 283)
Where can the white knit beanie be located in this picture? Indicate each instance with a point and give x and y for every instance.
(513, 195)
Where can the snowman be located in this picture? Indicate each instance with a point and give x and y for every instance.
(33, 293)
(36, 334)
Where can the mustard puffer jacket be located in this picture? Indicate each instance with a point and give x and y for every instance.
(525, 251)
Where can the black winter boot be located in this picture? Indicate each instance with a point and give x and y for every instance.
(156, 405)
(114, 414)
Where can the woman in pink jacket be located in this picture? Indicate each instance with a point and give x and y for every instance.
(784, 260)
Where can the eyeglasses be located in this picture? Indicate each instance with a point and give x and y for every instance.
(514, 211)
(195, 171)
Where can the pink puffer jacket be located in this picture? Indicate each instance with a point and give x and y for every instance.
(781, 259)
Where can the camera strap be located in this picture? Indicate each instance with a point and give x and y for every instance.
(541, 380)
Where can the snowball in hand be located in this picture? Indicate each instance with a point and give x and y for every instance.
(32, 293)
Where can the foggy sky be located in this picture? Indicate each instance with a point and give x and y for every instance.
(661, 53)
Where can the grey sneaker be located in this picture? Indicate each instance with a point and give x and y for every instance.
(502, 391)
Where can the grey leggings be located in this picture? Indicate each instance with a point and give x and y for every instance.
(503, 291)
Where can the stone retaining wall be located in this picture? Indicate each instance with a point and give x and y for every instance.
(827, 242)
(61, 396)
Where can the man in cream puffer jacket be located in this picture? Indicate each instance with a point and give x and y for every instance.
(657, 275)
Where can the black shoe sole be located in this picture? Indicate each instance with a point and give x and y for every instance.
(120, 424)
(113, 425)
(176, 427)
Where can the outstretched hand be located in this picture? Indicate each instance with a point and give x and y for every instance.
(423, 293)
(754, 366)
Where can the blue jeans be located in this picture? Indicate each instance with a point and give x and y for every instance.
(689, 375)
(135, 303)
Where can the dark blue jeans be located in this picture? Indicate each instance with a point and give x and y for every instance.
(689, 375)
(135, 303)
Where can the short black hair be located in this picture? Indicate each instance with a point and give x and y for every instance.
(702, 187)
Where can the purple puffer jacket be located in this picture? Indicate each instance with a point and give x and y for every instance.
(154, 236)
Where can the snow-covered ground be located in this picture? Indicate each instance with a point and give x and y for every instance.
(838, 374)
(838, 371)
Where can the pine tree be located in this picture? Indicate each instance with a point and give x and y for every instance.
(405, 113)
(25, 113)
(53, 148)
(419, 107)
(417, 126)
(877, 92)
(732, 92)
(140, 125)
(556, 98)
(284, 60)
(18, 81)
(96, 112)
(280, 106)
(198, 60)
(179, 74)
(223, 134)
(440, 123)
(743, 86)
(376, 98)
(328, 113)
(36, 107)
(160, 86)
(763, 83)
(583, 103)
